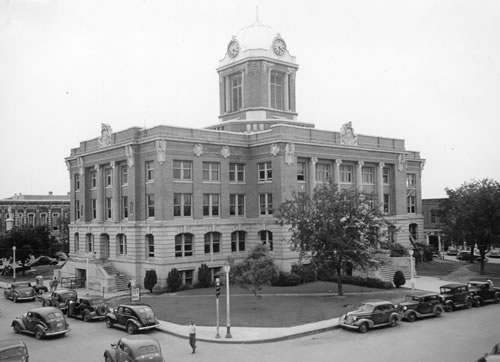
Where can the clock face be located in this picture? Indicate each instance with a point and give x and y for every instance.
(279, 46)
(233, 48)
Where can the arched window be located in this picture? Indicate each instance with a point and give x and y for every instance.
(212, 242)
(89, 240)
(266, 237)
(121, 242)
(238, 239)
(183, 245)
(43, 218)
(77, 242)
(150, 246)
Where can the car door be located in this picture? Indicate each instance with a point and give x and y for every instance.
(460, 294)
(425, 305)
(378, 315)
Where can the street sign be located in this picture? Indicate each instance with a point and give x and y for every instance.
(135, 294)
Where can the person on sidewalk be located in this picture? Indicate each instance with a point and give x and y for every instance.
(53, 284)
(192, 336)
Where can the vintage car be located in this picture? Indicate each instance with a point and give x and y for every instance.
(88, 307)
(134, 348)
(483, 292)
(419, 306)
(456, 295)
(132, 317)
(20, 291)
(42, 322)
(371, 314)
(59, 298)
(466, 256)
(42, 260)
(452, 251)
(13, 350)
(494, 355)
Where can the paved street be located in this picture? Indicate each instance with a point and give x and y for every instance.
(458, 336)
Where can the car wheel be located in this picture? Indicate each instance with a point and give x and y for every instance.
(14, 298)
(438, 312)
(394, 321)
(411, 317)
(109, 323)
(44, 304)
(56, 304)
(6, 295)
(38, 333)
(477, 302)
(17, 328)
(131, 328)
(448, 307)
(107, 358)
(468, 303)
(363, 327)
(497, 297)
(86, 316)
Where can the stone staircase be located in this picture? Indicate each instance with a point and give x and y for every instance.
(387, 272)
(121, 280)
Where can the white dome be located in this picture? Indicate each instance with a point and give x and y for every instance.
(256, 36)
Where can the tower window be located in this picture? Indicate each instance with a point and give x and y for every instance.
(236, 92)
(277, 90)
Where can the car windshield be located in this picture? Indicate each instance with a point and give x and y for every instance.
(366, 308)
(66, 295)
(21, 285)
(145, 310)
(97, 301)
(53, 316)
(150, 348)
(412, 298)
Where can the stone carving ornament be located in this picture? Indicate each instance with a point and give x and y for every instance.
(198, 149)
(275, 149)
(289, 153)
(129, 153)
(105, 139)
(225, 151)
(401, 162)
(161, 150)
(347, 135)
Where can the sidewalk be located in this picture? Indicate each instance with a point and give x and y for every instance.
(247, 335)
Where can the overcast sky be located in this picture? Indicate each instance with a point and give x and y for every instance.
(427, 72)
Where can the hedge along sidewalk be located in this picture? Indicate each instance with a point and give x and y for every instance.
(278, 307)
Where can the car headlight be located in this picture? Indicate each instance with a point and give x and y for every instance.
(405, 307)
(354, 319)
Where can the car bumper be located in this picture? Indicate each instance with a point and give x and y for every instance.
(145, 328)
(26, 298)
(50, 334)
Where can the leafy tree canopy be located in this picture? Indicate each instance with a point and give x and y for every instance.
(471, 214)
(334, 227)
(27, 239)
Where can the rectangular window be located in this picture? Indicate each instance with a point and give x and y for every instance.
(108, 179)
(150, 246)
(124, 175)
(236, 205)
(412, 208)
(236, 92)
(322, 172)
(211, 171)
(435, 216)
(237, 172)
(211, 205)
(266, 204)
(182, 204)
(411, 181)
(122, 244)
(345, 174)
(125, 207)
(265, 171)
(77, 182)
(386, 175)
(212, 243)
(150, 171)
(238, 241)
(183, 245)
(368, 175)
(187, 276)
(94, 208)
(150, 205)
(77, 210)
(93, 179)
(301, 171)
(108, 207)
(183, 170)
(277, 90)
(387, 203)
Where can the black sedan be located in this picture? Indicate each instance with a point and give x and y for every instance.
(42, 260)
(41, 322)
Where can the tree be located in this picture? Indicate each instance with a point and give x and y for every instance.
(204, 276)
(174, 280)
(256, 270)
(335, 227)
(150, 280)
(471, 214)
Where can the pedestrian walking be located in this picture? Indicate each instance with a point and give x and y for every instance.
(192, 336)
(53, 284)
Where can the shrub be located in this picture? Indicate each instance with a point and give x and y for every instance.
(361, 281)
(174, 280)
(399, 279)
(150, 280)
(398, 250)
(306, 273)
(284, 279)
(204, 276)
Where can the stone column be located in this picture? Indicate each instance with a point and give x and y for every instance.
(359, 174)
(336, 173)
(380, 185)
(115, 202)
(100, 194)
(82, 195)
(312, 175)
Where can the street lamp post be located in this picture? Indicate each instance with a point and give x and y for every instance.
(14, 263)
(227, 268)
(412, 280)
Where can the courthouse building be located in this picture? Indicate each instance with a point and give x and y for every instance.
(173, 197)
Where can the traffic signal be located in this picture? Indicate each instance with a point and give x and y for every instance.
(217, 287)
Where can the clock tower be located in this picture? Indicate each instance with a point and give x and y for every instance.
(257, 81)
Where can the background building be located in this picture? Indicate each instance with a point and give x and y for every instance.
(170, 197)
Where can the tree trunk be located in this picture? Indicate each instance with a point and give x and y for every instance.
(339, 281)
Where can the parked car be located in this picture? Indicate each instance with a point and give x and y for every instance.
(134, 348)
(59, 298)
(88, 307)
(452, 251)
(494, 355)
(20, 291)
(465, 256)
(14, 350)
(371, 314)
(419, 306)
(494, 253)
(483, 292)
(42, 322)
(42, 260)
(132, 317)
(456, 295)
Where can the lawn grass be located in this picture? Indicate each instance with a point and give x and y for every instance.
(438, 268)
